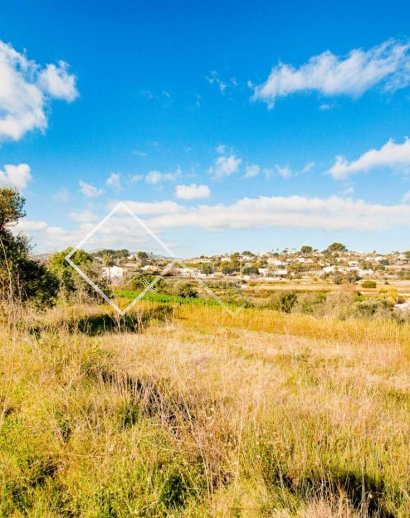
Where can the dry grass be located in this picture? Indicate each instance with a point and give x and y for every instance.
(199, 414)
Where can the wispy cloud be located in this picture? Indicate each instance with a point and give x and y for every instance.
(389, 155)
(214, 79)
(62, 195)
(252, 170)
(387, 64)
(138, 152)
(89, 190)
(157, 177)
(114, 182)
(27, 90)
(225, 165)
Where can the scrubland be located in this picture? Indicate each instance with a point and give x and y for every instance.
(186, 410)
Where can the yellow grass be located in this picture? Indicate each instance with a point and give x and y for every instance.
(202, 414)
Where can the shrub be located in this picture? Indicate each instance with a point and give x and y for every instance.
(283, 301)
(186, 290)
(369, 284)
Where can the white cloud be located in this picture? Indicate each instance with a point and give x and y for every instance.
(252, 171)
(325, 106)
(331, 75)
(15, 176)
(114, 181)
(389, 155)
(157, 177)
(334, 213)
(137, 152)
(225, 166)
(284, 172)
(27, 225)
(142, 208)
(406, 197)
(57, 82)
(214, 79)
(192, 192)
(26, 91)
(89, 191)
(137, 178)
(85, 216)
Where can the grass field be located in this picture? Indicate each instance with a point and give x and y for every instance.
(183, 410)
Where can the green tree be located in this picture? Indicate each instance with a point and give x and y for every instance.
(143, 257)
(305, 249)
(21, 278)
(336, 247)
(207, 269)
(71, 283)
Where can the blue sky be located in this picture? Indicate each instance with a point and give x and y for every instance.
(220, 123)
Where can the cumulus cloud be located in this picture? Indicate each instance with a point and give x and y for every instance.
(114, 181)
(89, 190)
(192, 192)
(15, 176)
(334, 213)
(225, 166)
(57, 82)
(389, 155)
(387, 64)
(26, 91)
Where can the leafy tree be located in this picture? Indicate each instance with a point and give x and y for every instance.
(336, 247)
(143, 257)
(250, 270)
(21, 278)
(70, 282)
(187, 290)
(305, 249)
(207, 269)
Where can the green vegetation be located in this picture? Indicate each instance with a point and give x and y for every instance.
(21, 278)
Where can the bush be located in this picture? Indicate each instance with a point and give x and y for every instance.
(311, 303)
(369, 284)
(283, 301)
(186, 290)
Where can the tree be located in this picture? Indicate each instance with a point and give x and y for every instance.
(207, 269)
(143, 257)
(11, 207)
(305, 249)
(186, 290)
(21, 278)
(70, 282)
(250, 270)
(336, 247)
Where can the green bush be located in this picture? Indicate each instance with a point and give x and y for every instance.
(283, 301)
(369, 284)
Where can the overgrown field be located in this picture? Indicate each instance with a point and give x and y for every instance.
(185, 410)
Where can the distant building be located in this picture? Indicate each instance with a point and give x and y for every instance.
(113, 273)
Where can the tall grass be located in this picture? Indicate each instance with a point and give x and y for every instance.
(196, 413)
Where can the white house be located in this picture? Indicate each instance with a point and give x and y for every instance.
(113, 273)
